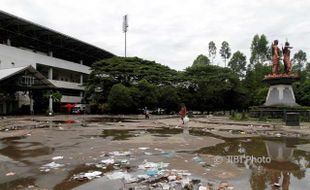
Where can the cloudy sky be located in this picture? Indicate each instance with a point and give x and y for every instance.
(171, 32)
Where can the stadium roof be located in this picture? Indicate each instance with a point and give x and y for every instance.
(13, 75)
(24, 33)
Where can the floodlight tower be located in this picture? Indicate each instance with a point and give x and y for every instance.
(125, 26)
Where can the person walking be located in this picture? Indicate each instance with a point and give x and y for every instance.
(183, 112)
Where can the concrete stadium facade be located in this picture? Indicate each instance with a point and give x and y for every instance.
(63, 61)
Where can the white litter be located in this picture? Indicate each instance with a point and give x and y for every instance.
(143, 176)
(120, 175)
(118, 153)
(52, 165)
(186, 119)
(144, 148)
(202, 188)
(108, 161)
(88, 175)
(159, 165)
(10, 174)
(92, 175)
(172, 178)
(57, 158)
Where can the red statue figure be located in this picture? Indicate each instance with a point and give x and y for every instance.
(286, 58)
(275, 58)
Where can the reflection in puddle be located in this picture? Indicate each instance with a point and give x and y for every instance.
(17, 150)
(287, 166)
(21, 183)
(127, 134)
(108, 119)
(70, 183)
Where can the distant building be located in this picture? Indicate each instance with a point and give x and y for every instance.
(34, 58)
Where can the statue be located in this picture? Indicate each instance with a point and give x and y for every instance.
(286, 58)
(275, 57)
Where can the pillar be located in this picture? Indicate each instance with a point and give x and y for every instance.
(81, 62)
(50, 73)
(50, 53)
(4, 108)
(81, 79)
(8, 42)
(31, 103)
(50, 105)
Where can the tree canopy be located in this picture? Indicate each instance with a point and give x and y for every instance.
(127, 85)
(225, 51)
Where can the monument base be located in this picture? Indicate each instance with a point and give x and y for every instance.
(280, 99)
(280, 95)
(280, 91)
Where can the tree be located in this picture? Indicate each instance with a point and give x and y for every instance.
(149, 94)
(299, 59)
(127, 71)
(238, 63)
(256, 89)
(260, 52)
(168, 99)
(302, 91)
(203, 92)
(201, 60)
(119, 99)
(225, 51)
(212, 51)
(55, 95)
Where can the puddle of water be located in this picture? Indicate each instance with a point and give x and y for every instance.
(68, 121)
(21, 183)
(127, 134)
(286, 165)
(18, 150)
(70, 183)
(107, 119)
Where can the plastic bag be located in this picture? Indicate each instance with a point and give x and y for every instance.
(186, 119)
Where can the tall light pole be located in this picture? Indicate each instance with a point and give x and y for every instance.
(125, 26)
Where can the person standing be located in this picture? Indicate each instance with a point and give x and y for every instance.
(183, 112)
(275, 57)
(146, 113)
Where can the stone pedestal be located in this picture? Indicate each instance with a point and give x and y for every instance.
(281, 94)
(280, 91)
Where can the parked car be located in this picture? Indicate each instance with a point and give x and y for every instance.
(79, 109)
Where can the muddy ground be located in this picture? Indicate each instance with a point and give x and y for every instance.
(52, 152)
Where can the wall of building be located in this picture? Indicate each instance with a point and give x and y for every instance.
(16, 57)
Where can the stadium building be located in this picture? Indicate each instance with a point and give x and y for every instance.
(35, 61)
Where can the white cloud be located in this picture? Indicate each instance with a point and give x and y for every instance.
(172, 32)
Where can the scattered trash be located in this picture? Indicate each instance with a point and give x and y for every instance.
(118, 153)
(121, 175)
(168, 154)
(203, 188)
(57, 158)
(186, 119)
(108, 161)
(10, 174)
(152, 172)
(49, 166)
(278, 134)
(88, 175)
(148, 153)
(144, 148)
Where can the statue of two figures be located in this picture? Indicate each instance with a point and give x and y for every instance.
(276, 57)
